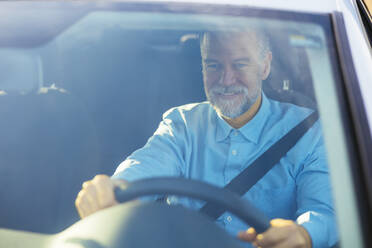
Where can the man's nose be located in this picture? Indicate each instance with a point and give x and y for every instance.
(228, 76)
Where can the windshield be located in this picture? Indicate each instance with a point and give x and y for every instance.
(138, 94)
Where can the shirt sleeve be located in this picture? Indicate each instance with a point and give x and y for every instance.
(163, 154)
(314, 197)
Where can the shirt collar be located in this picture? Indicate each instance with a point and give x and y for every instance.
(251, 130)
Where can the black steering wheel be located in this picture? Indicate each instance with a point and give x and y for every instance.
(139, 224)
(230, 201)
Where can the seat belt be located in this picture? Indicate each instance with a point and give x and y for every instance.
(258, 168)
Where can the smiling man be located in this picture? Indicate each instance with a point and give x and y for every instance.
(233, 72)
(215, 140)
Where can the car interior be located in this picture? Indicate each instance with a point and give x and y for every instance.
(71, 110)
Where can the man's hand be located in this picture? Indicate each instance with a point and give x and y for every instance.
(96, 194)
(282, 233)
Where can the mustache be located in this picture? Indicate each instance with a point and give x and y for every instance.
(232, 89)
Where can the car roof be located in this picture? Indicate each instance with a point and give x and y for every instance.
(319, 6)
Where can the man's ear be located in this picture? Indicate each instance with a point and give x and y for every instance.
(267, 65)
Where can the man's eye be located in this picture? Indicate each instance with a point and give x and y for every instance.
(241, 66)
(213, 66)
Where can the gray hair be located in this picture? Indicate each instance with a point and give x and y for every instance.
(263, 40)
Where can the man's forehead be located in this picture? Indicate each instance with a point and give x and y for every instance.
(225, 41)
(230, 36)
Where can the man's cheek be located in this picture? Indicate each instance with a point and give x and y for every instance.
(208, 87)
(212, 78)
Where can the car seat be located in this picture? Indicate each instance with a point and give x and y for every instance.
(48, 147)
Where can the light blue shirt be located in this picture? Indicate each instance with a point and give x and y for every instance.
(193, 141)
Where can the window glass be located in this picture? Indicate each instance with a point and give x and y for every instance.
(224, 90)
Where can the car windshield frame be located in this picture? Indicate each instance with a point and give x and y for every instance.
(349, 97)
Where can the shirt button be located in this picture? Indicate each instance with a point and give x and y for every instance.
(234, 152)
(235, 133)
(228, 218)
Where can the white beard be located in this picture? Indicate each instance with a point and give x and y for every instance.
(231, 108)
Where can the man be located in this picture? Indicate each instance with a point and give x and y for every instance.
(215, 140)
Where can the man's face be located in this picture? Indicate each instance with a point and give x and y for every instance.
(233, 70)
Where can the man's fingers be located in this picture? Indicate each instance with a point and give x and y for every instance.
(285, 243)
(79, 207)
(91, 196)
(281, 223)
(83, 205)
(248, 236)
(282, 233)
(272, 236)
(104, 190)
(95, 195)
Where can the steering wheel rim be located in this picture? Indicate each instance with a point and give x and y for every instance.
(230, 201)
